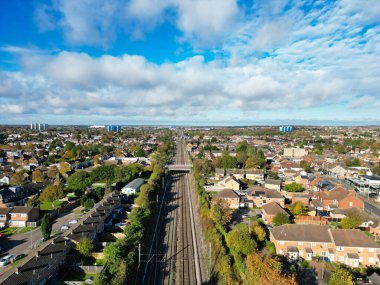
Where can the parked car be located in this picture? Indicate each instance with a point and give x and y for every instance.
(1, 235)
(73, 222)
(17, 257)
(6, 260)
(244, 216)
(64, 227)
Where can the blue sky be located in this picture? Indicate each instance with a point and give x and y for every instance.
(198, 62)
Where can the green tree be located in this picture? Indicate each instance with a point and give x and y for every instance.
(88, 204)
(85, 247)
(46, 226)
(259, 232)
(79, 181)
(341, 276)
(280, 219)
(353, 220)
(305, 165)
(240, 240)
(228, 161)
(38, 176)
(293, 187)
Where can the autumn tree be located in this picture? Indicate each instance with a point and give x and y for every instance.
(298, 208)
(220, 213)
(17, 178)
(64, 167)
(52, 172)
(52, 193)
(265, 270)
(353, 219)
(293, 187)
(38, 176)
(341, 276)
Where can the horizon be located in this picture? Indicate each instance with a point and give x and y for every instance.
(223, 63)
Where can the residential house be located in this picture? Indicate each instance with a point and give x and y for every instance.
(259, 196)
(270, 210)
(294, 152)
(230, 182)
(4, 180)
(254, 174)
(350, 247)
(339, 198)
(274, 184)
(23, 216)
(339, 172)
(4, 217)
(230, 197)
(43, 266)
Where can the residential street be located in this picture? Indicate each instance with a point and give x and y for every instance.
(22, 243)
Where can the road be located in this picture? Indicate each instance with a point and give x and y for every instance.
(174, 258)
(22, 243)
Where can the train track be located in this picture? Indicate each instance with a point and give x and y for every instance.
(175, 261)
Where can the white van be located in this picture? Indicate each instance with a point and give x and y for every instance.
(6, 260)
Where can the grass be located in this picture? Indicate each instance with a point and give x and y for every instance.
(48, 206)
(77, 276)
(15, 231)
(100, 262)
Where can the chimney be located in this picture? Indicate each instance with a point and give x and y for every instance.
(18, 270)
(51, 255)
(53, 241)
(37, 254)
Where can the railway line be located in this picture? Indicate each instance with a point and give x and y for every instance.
(175, 258)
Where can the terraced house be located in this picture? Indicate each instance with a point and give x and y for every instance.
(349, 247)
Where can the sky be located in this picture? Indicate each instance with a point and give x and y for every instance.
(190, 62)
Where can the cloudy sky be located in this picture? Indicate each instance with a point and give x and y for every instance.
(221, 62)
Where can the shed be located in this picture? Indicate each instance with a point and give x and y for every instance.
(133, 187)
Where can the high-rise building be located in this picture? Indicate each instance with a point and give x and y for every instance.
(286, 129)
(38, 127)
(113, 128)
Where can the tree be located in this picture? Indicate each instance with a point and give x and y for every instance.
(352, 162)
(293, 187)
(353, 219)
(341, 276)
(305, 165)
(240, 240)
(376, 170)
(220, 213)
(79, 181)
(228, 161)
(46, 226)
(88, 204)
(37, 176)
(52, 193)
(85, 247)
(280, 219)
(52, 172)
(265, 270)
(64, 167)
(298, 208)
(259, 232)
(17, 178)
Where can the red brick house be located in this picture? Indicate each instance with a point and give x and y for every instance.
(272, 209)
(339, 198)
(20, 216)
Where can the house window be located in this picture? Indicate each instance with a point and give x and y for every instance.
(323, 253)
(282, 242)
(351, 204)
(340, 248)
(282, 251)
(341, 258)
(2, 216)
(371, 250)
(300, 243)
(313, 244)
(13, 215)
(23, 215)
(371, 260)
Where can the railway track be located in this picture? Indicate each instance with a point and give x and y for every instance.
(177, 262)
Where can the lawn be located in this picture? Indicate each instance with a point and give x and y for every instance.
(48, 206)
(15, 231)
(77, 276)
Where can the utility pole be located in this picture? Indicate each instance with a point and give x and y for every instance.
(139, 255)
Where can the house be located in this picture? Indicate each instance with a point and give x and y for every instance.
(4, 216)
(230, 182)
(132, 187)
(254, 174)
(270, 210)
(219, 173)
(43, 266)
(259, 196)
(4, 180)
(274, 184)
(295, 152)
(339, 172)
(350, 247)
(339, 198)
(230, 197)
(22, 216)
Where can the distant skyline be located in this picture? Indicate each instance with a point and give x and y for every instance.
(182, 62)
